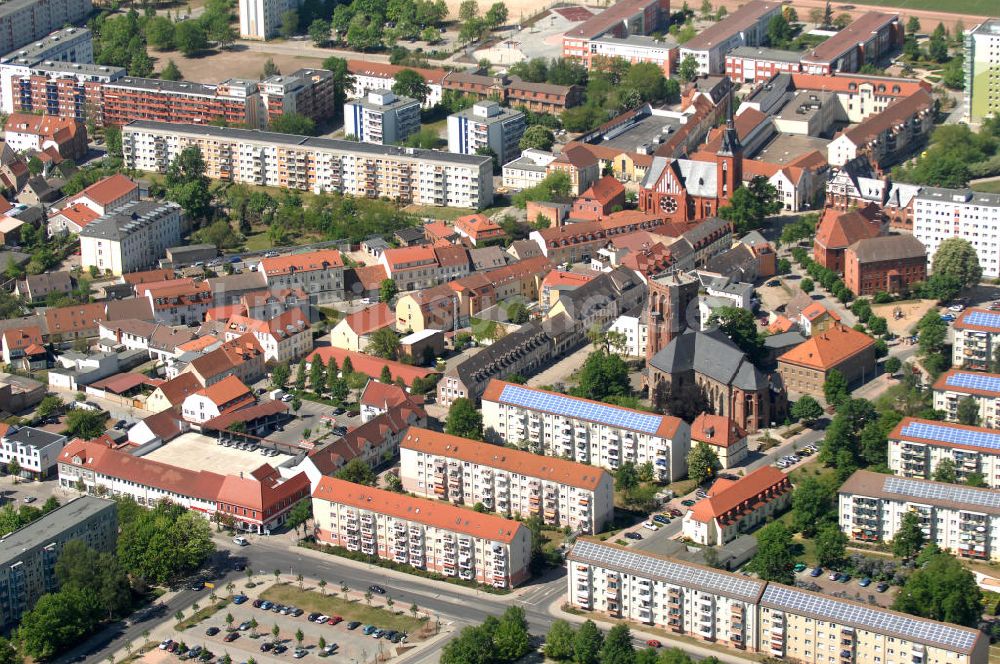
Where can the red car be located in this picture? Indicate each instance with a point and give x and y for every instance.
(676, 512)
(334, 620)
(653, 643)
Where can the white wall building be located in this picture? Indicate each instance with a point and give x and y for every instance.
(70, 44)
(953, 386)
(976, 339)
(527, 170)
(487, 125)
(427, 534)
(370, 76)
(131, 238)
(26, 21)
(917, 447)
(284, 338)
(747, 26)
(381, 118)
(586, 431)
(939, 214)
(563, 493)
(960, 519)
(319, 273)
(261, 19)
(636, 332)
(36, 451)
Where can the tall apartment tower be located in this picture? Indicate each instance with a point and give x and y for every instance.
(982, 71)
(669, 299)
(261, 19)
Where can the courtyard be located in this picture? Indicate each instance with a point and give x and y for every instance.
(195, 451)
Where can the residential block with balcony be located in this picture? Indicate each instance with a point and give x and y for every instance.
(917, 447)
(953, 386)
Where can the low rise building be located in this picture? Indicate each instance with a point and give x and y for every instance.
(805, 368)
(425, 534)
(24, 132)
(734, 507)
(889, 264)
(354, 330)
(130, 238)
(976, 339)
(917, 447)
(563, 493)
(839, 230)
(177, 301)
(816, 318)
(751, 64)
(36, 451)
(866, 40)
(479, 229)
(106, 194)
(381, 118)
(319, 273)
(285, 338)
(726, 438)
(585, 431)
(368, 76)
(955, 385)
(527, 170)
(226, 396)
(962, 520)
(747, 26)
(486, 126)
(28, 555)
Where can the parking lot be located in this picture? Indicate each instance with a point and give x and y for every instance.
(318, 419)
(850, 588)
(195, 451)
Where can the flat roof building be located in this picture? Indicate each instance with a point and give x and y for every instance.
(746, 26)
(955, 385)
(486, 126)
(381, 118)
(917, 447)
(982, 51)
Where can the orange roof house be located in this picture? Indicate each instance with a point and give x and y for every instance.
(323, 259)
(478, 228)
(371, 365)
(599, 199)
(816, 318)
(732, 507)
(25, 131)
(838, 230)
(805, 367)
(726, 438)
(110, 192)
(354, 330)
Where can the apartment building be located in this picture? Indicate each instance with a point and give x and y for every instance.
(28, 555)
(24, 132)
(976, 339)
(233, 101)
(69, 90)
(866, 40)
(426, 534)
(261, 19)
(26, 21)
(424, 266)
(318, 273)
(751, 64)
(679, 597)
(370, 76)
(633, 49)
(734, 507)
(805, 368)
(954, 385)
(381, 118)
(508, 481)
(620, 20)
(892, 264)
(486, 126)
(804, 626)
(515, 92)
(308, 92)
(585, 431)
(130, 238)
(982, 52)
(65, 45)
(527, 170)
(747, 26)
(917, 447)
(285, 338)
(226, 396)
(177, 301)
(939, 214)
(961, 519)
(35, 450)
(410, 175)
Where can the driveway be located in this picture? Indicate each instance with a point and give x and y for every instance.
(563, 370)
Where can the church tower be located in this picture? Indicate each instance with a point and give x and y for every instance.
(729, 161)
(667, 309)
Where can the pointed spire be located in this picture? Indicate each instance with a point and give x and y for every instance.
(730, 138)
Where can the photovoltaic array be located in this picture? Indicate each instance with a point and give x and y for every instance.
(954, 435)
(974, 381)
(729, 585)
(982, 319)
(793, 600)
(559, 404)
(925, 490)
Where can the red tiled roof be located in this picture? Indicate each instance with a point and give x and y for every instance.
(230, 390)
(604, 190)
(422, 510)
(816, 309)
(79, 214)
(370, 365)
(371, 276)
(734, 494)
(561, 278)
(895, 113)
(149, 276)
(716, 430)
(370, 319)
(74, 318)
(858, 31)
(313, 260)
(828, 349)
(475, 225)
(16, 338)
(382, 70)
(262, 409)
(439, 230)
(264, 491)
(108, 190)
(387, 395)
(408, 258)
(780, 324)
(124, 382)
(839, 230)
(177, 389)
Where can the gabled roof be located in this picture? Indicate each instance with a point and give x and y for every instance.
(716, 430)
(263, 490)
(386, 395)
(368, 364)
(712, 354)
(176, 390)
(828, 349)
(605, 190)
(106, 191)
(229, 393)
(733, 495)
(78, 213)
(323, 259)
(816, 310)
(75, 318)
(370, 319)
(888, 248)
(839, 230)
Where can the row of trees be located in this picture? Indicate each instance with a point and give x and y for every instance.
(496, 641)
(587, 645)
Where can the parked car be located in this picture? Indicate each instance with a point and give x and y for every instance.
(334, 620)
(279, 648)
(649, 525)
(687, 503)
(674, 512)
(368, 630)
(296, 612)
(197, 585)
(800, 567)
(659, 518)
(300, 653)
(816, 571)
(844, 578)
(212, 631)
(239, 540)
(834, 576)
(257, 603)
(882, 587)
(240, 599)
(266, 605)
(330, 648)
(165, 643)
(354, 624)
(865, 582)
(266, 646)
(653, 643)
(232, 636)
(633, 536)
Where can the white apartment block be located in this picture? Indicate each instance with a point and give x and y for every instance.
(381, 118)
(939, 214)
(426, 534)
(636, 332)
(36, 451)
(261, 19)
(952, 386)
(26, 21)
(747, 26)
(319, 273)
(982, 53)
(676, 596)
(405, 175)
(585, 431)
(527, 170)
(370, 76)
(960, 519)
(487, 125)
(131, 238)
(511, 482)
(66, 45)
(917, 447)
(635, 49)
(976, 339)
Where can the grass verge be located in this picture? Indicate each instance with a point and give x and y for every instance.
(201, 614)
(309, 601)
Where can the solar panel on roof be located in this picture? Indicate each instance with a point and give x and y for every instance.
(982, 318)
(946, 434)
(784, 598)
(666, 570)
(950, 492)
(559, 404)
(972, 381)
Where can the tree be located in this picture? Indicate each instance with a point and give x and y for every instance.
(408, 83)
(289, 24)
(510, 639)
(942, 590)
(157, 545)
(293, 123)
(878, 325)
(464, 420)
(496, 15)
(56, 621)
(909, 538)
(703, 463)
(827, 15)
(189, 37)
(319, 31)
(356, 471)
(474, 645)
(603, 374)
(317, 376)
(383, 343)
(779, 33)
(773, 560)
(958, 258)
(468, 10)
(279, 376)
(587, 644)
(49, 406)
(187, 183)
(831, 545)
(537, 137)
(913, 25)
(160, 33)
(892, 365)
(626, 478)
(968, 411)
(750, 205)
(387, 290)
(945, 471)
(300, 514)
(807, 285)
(270, 69)
(807, 409)
(559, 641)
(86, 424)
(517, 313)
(813, 503)
(300, 375)
(937, 49)
(739, 325)
(688, 69)
(835, 388)
(617, 647)
(171, 72)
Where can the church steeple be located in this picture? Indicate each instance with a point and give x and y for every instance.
(730, 138)
(729, 160)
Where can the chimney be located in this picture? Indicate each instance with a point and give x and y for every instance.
(709, 432)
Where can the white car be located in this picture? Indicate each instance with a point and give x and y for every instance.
(165, 643)
(649, 525)
(957, 308)
(287, 397)
(241, 541)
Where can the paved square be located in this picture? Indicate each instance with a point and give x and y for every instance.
(197, 452)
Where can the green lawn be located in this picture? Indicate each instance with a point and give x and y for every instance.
(992, 187)
(309, 601)
(201, 614)
(257, 242)
(980, 7)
